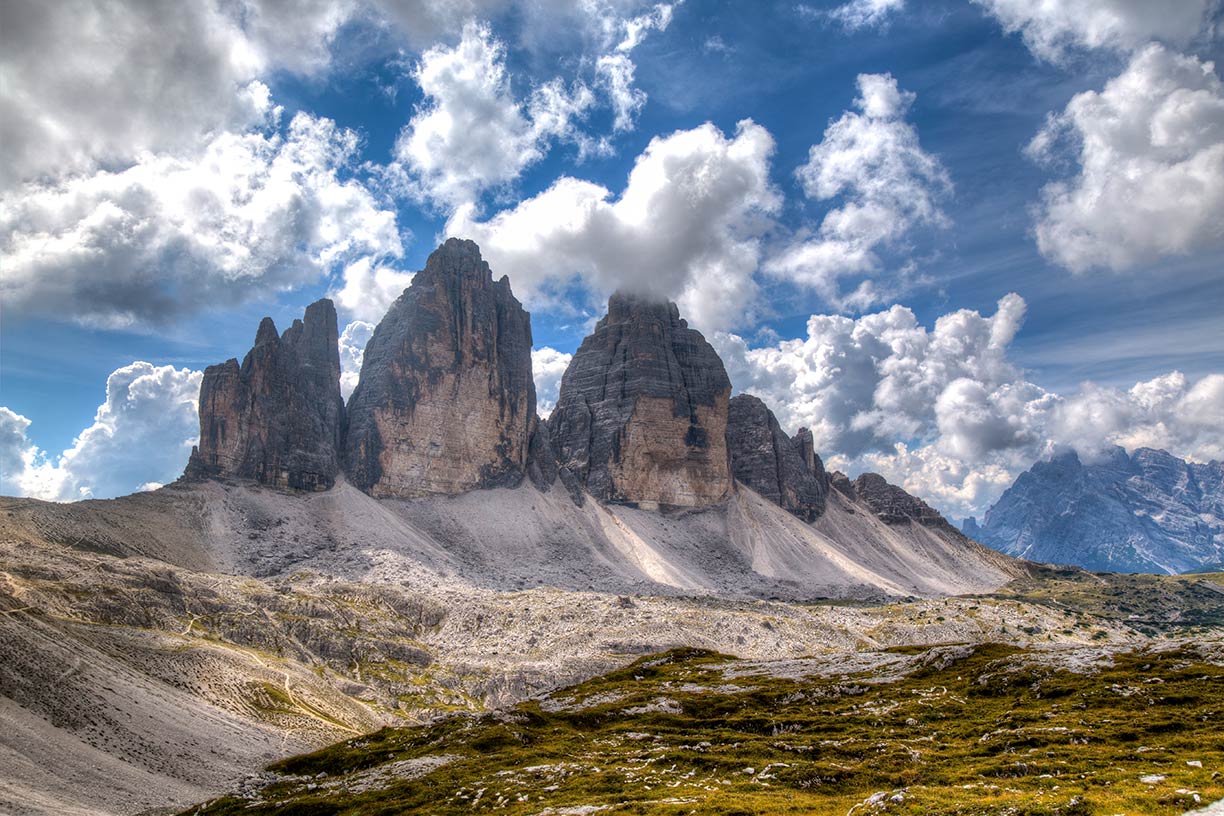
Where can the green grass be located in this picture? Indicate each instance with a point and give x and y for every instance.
(990, 732)
(1151, 604)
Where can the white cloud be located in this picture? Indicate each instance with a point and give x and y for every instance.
(353, 341)
(1151, 155)
(370, 288)
(77, 89)
(858, 14)
(547, 367)
(141, 435)
(616, 69)
(472, 133)
(888, 186)
(687, 226)
(251, 214)
(945, 413)
(1052, 27)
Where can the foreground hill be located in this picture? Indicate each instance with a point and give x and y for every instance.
(1144, 512)
(965, 730)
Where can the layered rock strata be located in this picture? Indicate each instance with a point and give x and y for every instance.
(278, 417)
(890, 503)
(785, 471)
(641, 417)
(446, 401)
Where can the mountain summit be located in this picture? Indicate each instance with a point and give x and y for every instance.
(446, 401)
(642, 413)
(1144, 512)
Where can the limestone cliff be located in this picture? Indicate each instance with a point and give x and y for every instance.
(446, 401)
(785, 471)
(278, 417)
(641, 416)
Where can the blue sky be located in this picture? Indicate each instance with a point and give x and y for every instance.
(966, 88)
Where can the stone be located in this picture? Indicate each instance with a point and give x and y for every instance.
(764, 458)
(892, 505)
(641, 417)
(446, 402)
(277, 418)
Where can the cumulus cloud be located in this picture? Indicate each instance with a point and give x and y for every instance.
(353, 340)
(1053, 27)
(252, 213)
(687, 226)
(141, 435)
(945, 413)
(888, 185)
(77, 92)
(472, 133)
(1151, 166)
(547, 367)
(370, 288)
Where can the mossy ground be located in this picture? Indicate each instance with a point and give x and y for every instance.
(958, 730)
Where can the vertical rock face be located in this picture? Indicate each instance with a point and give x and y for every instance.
(446, 401)
(763, 457)
(642, 412)
(278, 417)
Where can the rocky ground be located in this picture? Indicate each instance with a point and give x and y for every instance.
(157, 650)
(985, 729)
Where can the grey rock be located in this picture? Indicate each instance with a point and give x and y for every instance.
(278, 417)
(446, 401)
(892, 505)
(642, 412)
(1146, 512)
(763, 457)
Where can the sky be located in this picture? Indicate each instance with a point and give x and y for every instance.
(949, 236)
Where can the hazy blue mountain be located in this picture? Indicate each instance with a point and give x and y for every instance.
(1145, 512)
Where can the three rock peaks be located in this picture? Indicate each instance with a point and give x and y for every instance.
(446, 403)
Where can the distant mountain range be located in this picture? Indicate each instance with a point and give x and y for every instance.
(1144, 512)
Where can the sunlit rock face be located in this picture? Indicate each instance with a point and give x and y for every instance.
(641, 416)
(786, 471)
(277, 418)
(446, 401)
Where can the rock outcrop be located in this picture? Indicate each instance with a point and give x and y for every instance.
(642, 413)
(278, 417)
(785, 471)
(1143, 512)
(892, 504)
(446, 401)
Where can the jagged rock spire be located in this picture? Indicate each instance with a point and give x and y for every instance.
(785, 471)
(278, 417)
(446, 400)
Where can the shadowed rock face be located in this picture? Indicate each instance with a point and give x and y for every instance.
(785, 471)
(892, 504)
(446, 401)
(1143, 512)
(642, 412)
(278, 417)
